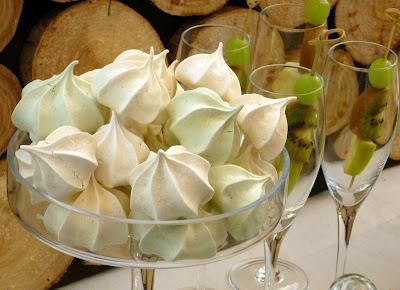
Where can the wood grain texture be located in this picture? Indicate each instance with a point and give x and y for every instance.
(10, 93)
(189, 7)
(365, 20)
(10, 11)
(25, 263)
(93, 32)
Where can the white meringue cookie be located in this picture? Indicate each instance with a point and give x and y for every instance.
(210, 71)
(170, 185)
(165, 74)
(236, 187)
(248, 159)
(194, 241)
(133, 92)
(84, 231)
(63, 99)
(205, 124)
(263, 121)
(63, 163)
(118, 152)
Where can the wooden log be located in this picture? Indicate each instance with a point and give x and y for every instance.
(189, 7)
(93, 32)
(10, 93)
(10, 10)
(365, 20)
(26, 263)
(341, 93)
(243, 18)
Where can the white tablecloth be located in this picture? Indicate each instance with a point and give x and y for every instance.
(311, 243)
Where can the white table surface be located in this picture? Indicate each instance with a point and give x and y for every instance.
(311, 243)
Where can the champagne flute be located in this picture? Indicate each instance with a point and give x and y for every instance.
(352, 282)
(205, 38)
(305, 147)
(356, 153)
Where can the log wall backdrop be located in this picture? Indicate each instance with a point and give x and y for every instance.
(39, 37)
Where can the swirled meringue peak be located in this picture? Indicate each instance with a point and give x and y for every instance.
(64, 99)
(210, 71)
(63, 163)
(170, 185)
(133, 91)
(205, 124)
(89, 232)
(118, 152)
(165, 74)
(264, 123)
(236, 187)
(249, 159)
(193, 241)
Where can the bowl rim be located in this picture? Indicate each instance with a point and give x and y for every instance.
(281, 182)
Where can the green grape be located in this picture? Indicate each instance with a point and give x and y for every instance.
(316, 11)
(237, 51)
(307, 89)
(380, 73)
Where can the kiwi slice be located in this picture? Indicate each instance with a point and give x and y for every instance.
(294, 172)
(301, 116)
(299, 144)
(359, 155)
(368, 113)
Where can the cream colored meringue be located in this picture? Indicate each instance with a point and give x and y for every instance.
(64, 99)
(205, 124)
(194, 241)
(264, 123)
(165, 74)
(210, 71)
(92, 233)
(63, 163)
(133, 92)
(118, 152)
(236, 187)
(248, 159)
(170, 185)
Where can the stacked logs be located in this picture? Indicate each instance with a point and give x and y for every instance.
(96, 31)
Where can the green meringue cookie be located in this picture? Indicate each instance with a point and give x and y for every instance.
(180, 242)
(236, 187)
(64, 99)
(205, 124)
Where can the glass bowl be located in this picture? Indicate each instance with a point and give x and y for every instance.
(183, 243)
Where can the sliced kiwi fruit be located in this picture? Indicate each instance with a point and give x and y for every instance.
(359, 155)
(299, 144)
(301, 116)
(294, 172)
(368, 113)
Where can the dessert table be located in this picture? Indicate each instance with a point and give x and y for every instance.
(311, 243)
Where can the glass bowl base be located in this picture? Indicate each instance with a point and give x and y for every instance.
(245, 276)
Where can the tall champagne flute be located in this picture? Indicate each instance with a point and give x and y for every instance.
(305, 147)
(205, 38)
(356, 153)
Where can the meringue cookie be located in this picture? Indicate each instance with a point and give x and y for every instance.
(63, 99)
(205, 124)
(193, 241)
(133, 92)
(210, 71)
(84, 231)
(236, 187)
(170, 185)
(165, 74)
(63, 163)
(118, 152)
(248, 159)
(264, 123)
